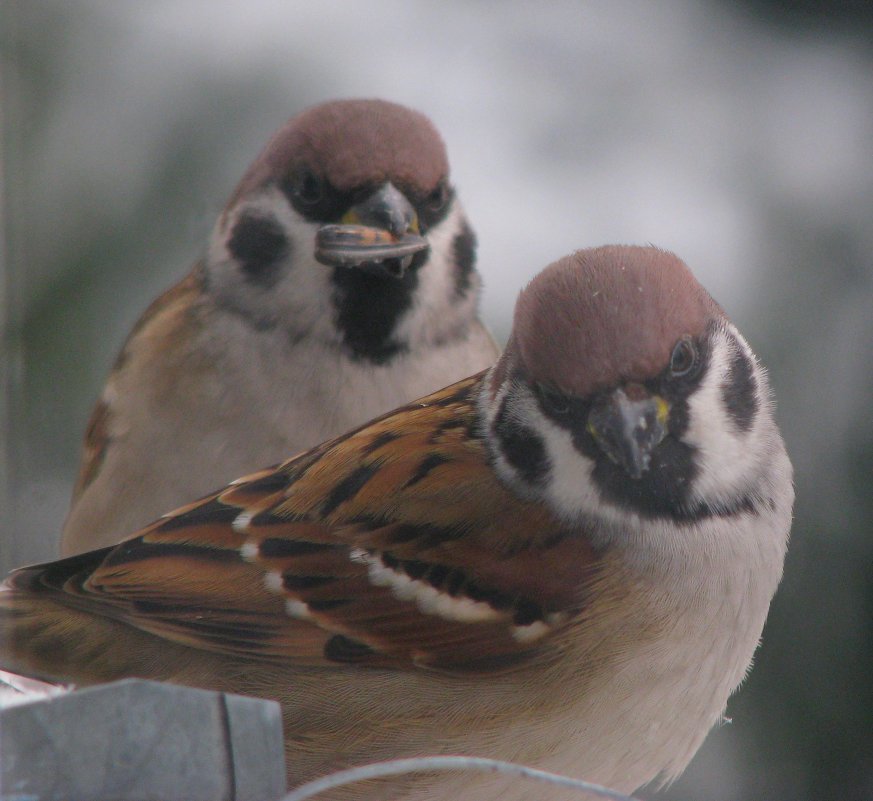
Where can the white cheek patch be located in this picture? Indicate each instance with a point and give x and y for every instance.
(728, 460)
(488, 409)
(301, 300)
(428, 599)
(568, 487)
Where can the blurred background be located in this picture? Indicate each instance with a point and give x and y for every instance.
(738, 134)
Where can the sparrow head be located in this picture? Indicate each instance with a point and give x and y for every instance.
(346, 228)
(625, 391)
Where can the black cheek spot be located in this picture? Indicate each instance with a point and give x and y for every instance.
(738, 390)
(521, 446)
(259, 245)
(464, 250)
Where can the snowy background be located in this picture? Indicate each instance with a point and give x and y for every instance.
(736, 134)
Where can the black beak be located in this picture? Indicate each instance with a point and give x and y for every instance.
(379, 235)
(627, 425)
(387, 208)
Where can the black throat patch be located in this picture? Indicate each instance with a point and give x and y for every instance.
(369, 308)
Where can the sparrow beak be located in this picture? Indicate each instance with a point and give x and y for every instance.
(379, 235)
(627, 425)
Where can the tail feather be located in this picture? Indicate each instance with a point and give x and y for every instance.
(55, 575)
(48, 629)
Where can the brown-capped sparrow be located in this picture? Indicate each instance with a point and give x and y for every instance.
(565, 560)
(338, 283)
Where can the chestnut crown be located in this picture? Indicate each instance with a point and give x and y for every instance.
(352, 144)
(607, 315)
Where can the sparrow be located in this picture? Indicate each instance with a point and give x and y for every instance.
(565, 560)
(339, 282)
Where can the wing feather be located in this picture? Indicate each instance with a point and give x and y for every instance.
(394, 545)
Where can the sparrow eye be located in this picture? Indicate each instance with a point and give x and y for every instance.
(553, 401)
(308, 188)
(684, 361)
(437, 199)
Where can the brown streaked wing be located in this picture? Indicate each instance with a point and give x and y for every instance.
(94, 446)
(394, 545)
(98, 432)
